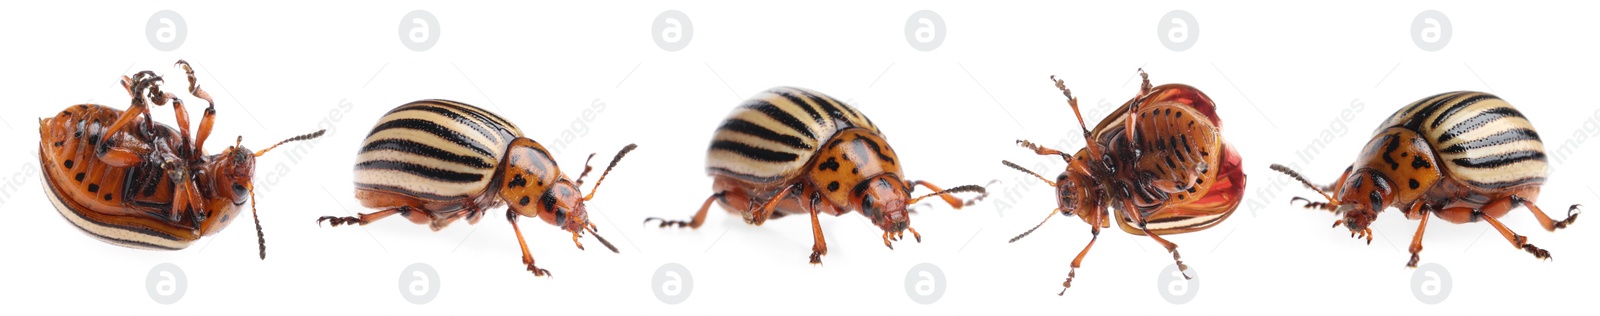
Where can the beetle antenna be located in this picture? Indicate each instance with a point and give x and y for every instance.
(1036, 227)
(316, 134)
(1297, 176)
(614, 161)
(1020, 168)
(965, 188)
(261, 238)
(602, 239)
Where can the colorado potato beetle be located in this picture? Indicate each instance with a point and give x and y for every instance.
(796, 151)
(1460, 156)
(436, 161)
(125, 179)
(1160, 160)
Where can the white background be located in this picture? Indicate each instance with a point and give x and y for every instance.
(1281, 75)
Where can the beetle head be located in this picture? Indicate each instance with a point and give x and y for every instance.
(883, 199)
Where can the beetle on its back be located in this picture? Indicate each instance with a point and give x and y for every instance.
(124, 179)
(1460, 156)
(437, 161)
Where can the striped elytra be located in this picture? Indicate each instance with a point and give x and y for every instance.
(1159, 161)
(1462, 156)
(796, 151)
(436, 161)
(126, 180)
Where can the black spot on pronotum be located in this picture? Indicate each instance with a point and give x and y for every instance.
(855, 170)
(1414, 184)
(94, 188)
(517, 181)
(1393, 143)
(1419, 163)
(831, 164)
(833, 186)
(523, 201)
(67, 163)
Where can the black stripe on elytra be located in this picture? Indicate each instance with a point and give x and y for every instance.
(835, 109)
(420, 170)
(1503, 137)
(752, 152)
(429, 127)
(135, 229)
(1414, 122)
(1499, 160)
(746, 127)
(800, 102)
(1505, 184)
(1477, 121)
(1413, 107)
(420, 149)
(480, 114)
(454, 116)
(779, 115)
(1463, 104)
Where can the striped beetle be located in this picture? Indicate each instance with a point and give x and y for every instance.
(796, 151)
(122, 178)
(436, 161)
(1159, 160)
(1492, 162)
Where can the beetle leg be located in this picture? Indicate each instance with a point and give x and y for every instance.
(363, 219)
(759, 216)
(119, 156)
(1544, 220)
(1171, 247)
(205, 119)
(527, 257)
(819, 245)
(1076, 262)
(1044, 151)
(1417, 210)
(699, 217)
